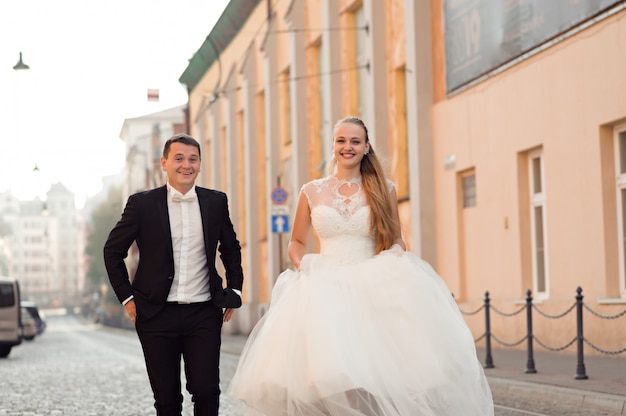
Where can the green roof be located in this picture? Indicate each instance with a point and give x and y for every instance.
(227, 27)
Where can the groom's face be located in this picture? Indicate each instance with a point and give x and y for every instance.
(182, 166)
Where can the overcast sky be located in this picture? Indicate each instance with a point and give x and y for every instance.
(91, 64)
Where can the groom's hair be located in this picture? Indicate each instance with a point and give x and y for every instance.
(180, 138)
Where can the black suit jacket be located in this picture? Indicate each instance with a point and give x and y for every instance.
(145, 220)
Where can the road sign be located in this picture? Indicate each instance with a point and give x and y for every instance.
(280, 224)
(279, 195)
(280, 210)
(280, 219)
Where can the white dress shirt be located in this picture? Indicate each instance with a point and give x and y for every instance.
(191, 272)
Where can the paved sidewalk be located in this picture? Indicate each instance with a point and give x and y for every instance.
(555, 379)
(604, 389)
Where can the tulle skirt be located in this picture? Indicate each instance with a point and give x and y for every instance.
(379, 337)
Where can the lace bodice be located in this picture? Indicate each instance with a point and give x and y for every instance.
(340, 217)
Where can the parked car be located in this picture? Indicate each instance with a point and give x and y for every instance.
(37, 315)
(10, 326)
(29, 326)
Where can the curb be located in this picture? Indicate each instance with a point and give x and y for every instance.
(581, 398)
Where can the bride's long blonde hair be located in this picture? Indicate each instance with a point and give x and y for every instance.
(383, 224)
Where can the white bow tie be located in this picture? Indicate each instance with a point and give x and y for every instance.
(183, 198)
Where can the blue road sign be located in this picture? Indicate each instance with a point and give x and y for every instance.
(280, 224)
(279, 195)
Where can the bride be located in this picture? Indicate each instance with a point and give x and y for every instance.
(363, 328)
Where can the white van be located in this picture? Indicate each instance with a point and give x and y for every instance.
(10, 315)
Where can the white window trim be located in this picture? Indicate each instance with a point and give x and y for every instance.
(536, 200)
(620, 184)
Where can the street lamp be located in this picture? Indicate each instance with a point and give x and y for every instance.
(20, 65)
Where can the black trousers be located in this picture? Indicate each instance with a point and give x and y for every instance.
(193, 332)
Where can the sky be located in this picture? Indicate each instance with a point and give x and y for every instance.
(91, 65)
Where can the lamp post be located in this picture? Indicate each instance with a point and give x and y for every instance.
(21, 66)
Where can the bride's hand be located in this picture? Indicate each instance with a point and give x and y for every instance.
(304, 258)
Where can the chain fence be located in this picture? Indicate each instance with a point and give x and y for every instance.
(579, 339)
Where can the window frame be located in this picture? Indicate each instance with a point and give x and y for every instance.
(620, 186)
(469, 200)
(538, 200)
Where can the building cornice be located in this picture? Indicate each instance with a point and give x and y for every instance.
(228, 26)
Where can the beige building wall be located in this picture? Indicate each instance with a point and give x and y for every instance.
(277, 79)
(560, 105)
(265, 107)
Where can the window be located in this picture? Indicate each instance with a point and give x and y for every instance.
(7, 295)
(317, 144)
(285, 104)
(469, 189)
(538, 223)
(620, 174)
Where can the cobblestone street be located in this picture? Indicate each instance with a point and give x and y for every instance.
(80, 369)
(77, 368)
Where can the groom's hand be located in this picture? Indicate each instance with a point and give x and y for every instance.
(131, 310)
(228, 313)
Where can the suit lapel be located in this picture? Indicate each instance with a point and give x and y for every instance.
(205, 207)
(164, 219)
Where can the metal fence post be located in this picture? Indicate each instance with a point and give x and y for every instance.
(530, 363)
(488, 358)
(580, 367)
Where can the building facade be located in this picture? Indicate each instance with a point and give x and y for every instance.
(44, 247)
(500, 123)
(528, 147)
(143, 139)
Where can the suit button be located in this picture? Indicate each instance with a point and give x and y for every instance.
(170, 277)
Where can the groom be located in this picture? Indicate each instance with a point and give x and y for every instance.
(176, 298)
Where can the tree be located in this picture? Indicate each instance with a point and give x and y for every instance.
(103, 219)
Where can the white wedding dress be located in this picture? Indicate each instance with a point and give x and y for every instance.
(358, 334)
